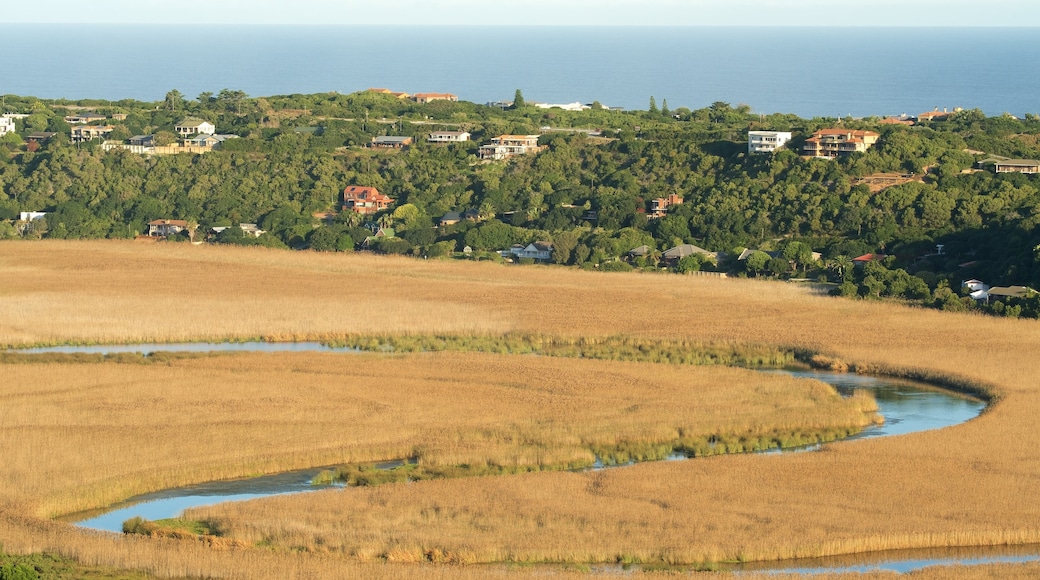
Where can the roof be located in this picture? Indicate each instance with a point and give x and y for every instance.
(451, 216)
(543, 246)
(683, 250)
(1011, 291)
(640, 251)
(847, 132)
(190, 122)
(434, 96)
(869, 258)
(1019, 162)
(392, 139)
(450, 133)
(181, 223)
(364, 192)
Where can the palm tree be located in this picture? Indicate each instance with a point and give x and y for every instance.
(841, 265)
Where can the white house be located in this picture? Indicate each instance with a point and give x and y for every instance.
(505, 146)
(28, 216)
(6, 125)
(189, 127)
(540, 251)
(766, 141)
(575, 106)
(448, 137)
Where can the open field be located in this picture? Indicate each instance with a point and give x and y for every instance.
(972, 484)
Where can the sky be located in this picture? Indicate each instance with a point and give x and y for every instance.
(533, 12)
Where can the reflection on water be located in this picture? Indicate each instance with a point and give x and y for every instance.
(901, 561)
(149, 348)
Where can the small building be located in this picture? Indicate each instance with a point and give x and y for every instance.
(449, 219)
(861, 261)
(448, 137)
(365, 200)
(901, 120)
(538, 251)
(211, 141)
(974, 285)
(84, 133)
(189, 127)
(1005, 292)
(119, 116)
(143, 141)
(505, 146)
(575, 106)
(390, 142)
(247, 229)
(423, 98)
(389, 92)
(831, 143)
(165, 228)
(766, 141)
(84, 118)
(672, 256)
(659, 206)
(935, 115)
(28, 216)
(1030, 166)
(40, 137)
(6, 125)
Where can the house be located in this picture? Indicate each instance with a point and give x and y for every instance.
(206, 140)
(1005, 292)
(659, 206)
(28, 216)
(84, 133)
(575, 106)
(390, 142)
(40, 137)
(901, 120)
(974, 285)
(389, 92)
(423, 98)
(935, 115)
(867, 258)
(834, 142)
(1030, 166)
(143, 140)
(247, 229)
(766, 141)
(6, 126)
(84, 118)
(448, 137)
(471, 214)
(364, 200)
(538, 251)
(505, 146)
(119, 116)
(449, 219)
(164, 228)
(672, 256)
(189, 127)
(380, 234)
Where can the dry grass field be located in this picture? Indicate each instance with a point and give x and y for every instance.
(972, 484)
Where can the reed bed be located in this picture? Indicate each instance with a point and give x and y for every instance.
(972, 484)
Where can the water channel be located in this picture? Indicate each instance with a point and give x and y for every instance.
(906, 407)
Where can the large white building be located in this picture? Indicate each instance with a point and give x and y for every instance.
(6, 125)
(766, 141)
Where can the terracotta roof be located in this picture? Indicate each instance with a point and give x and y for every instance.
(434, 96)
(180, 223)
(364, 192)
(860, 134)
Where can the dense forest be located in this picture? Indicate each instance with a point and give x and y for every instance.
(587, 194)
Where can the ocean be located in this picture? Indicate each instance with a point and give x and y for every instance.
(811, 72)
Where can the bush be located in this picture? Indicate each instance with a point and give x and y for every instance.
(17, 572)
(616, 266)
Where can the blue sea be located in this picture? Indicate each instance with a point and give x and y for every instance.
(807, 71)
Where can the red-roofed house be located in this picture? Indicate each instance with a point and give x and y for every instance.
(364, 200)
(834, 142)
(659, 206)
(423, 98)
(935, 115)
(865, 258)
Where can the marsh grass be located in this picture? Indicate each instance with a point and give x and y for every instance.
(972, 484)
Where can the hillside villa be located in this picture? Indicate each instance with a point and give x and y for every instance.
(390, 142)
(166, 228)
(84, 133)
(364, 200)
(423, 98)
(831, 143)
(448, 137)
(659, 206)
(505, 146)
(189, 127)
(766, 141)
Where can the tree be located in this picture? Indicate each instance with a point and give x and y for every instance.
(323, 239)
(664, 108)
(756, 262)
(518, 100)
(842, 266)
(192, 227)
(653, 106)
(174, 100)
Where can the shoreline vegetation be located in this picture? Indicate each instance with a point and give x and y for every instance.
(949, 487)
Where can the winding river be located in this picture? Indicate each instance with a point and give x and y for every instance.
(906, 407)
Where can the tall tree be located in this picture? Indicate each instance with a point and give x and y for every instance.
(653, 106)
(518, 100)
(174, 100)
